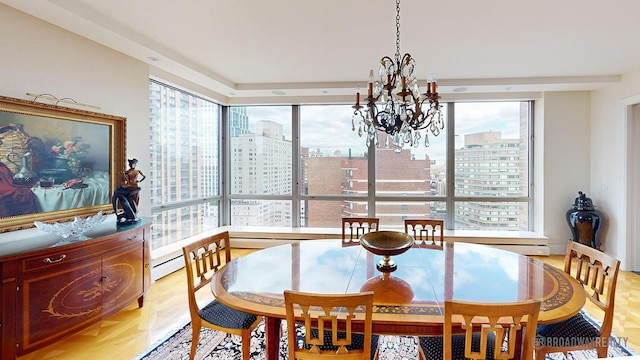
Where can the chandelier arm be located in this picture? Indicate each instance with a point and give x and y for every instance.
(406, 59)
(390, 127)
(373, 112)
(424, 124)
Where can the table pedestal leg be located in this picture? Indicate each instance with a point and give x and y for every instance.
(272, 337)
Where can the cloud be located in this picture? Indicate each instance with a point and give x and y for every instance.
(328, 127)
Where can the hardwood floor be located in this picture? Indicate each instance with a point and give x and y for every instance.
(131, 331)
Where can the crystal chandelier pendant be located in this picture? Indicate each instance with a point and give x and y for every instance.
(394, 103)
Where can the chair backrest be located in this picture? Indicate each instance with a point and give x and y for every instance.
(428, 233)
(354, 227)
(202, 259)
(598, 273)
(496, 324)
(332, 316)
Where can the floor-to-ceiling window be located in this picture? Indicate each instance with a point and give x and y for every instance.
(260, 165)
(333, 168)
(304, 165)
(492, 162)
(474, 174)
(185, 164)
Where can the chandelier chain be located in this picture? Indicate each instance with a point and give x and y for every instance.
(397, 30)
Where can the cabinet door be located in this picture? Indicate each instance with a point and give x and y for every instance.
(122, 278)
(57, 301)
(68, 296)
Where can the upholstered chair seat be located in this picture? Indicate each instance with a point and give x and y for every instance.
(227, 317)
(432, 346)
(357, 341)
(577, 328)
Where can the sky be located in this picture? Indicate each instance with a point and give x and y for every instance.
(328, 127)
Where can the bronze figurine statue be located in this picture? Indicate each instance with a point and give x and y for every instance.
(126, 197)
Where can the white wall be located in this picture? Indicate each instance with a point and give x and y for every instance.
(564, 167)
(37, 57)
(609, 163)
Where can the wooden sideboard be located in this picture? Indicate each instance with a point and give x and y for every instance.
(50, 293)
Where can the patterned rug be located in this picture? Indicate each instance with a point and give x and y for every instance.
(215, 345)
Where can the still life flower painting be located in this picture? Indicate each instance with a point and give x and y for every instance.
(71, 152)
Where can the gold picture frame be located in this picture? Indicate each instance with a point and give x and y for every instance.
(56, 162)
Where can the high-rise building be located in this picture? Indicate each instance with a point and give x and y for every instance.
(186, 165)
(261, 164)
(238, 121)
(487, 166)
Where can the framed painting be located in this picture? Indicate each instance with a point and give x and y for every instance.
(56, 162)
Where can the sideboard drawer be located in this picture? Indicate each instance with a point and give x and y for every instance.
(126, 239)
(79, 251)
(54, 259)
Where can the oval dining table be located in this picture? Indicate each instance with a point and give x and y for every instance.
(407, 301)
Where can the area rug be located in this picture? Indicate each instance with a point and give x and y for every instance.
(215, 345)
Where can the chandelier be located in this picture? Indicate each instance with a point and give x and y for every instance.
(395, 105)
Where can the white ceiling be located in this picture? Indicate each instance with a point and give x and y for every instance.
(247, 49)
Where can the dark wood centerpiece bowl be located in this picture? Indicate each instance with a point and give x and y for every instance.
(387, 244)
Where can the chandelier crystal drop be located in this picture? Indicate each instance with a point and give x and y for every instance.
(395, 105)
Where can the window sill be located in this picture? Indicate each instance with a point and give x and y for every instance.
(525, 242)
(168, 258)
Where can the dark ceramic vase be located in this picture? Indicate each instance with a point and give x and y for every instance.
(585, 221)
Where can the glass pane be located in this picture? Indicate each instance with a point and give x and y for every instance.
(503, 216)
(393, 213)
(492, 147)
(261, 212)
(261, 150)
(185, 163)
(333, 158)
(316, 213)
(171, 226)
(415, 171)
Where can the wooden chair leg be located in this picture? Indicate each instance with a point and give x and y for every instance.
(421, 354)
(246, 345)
(195, 338)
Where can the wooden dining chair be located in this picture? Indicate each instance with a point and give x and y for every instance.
(327, 321)
(598, 273)
(491, 331)
(202, 259)
(354, 227)
(428, 233)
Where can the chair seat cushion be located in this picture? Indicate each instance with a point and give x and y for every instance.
(574, 331)
(357, 340)
(432, 346)
(221, 315)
